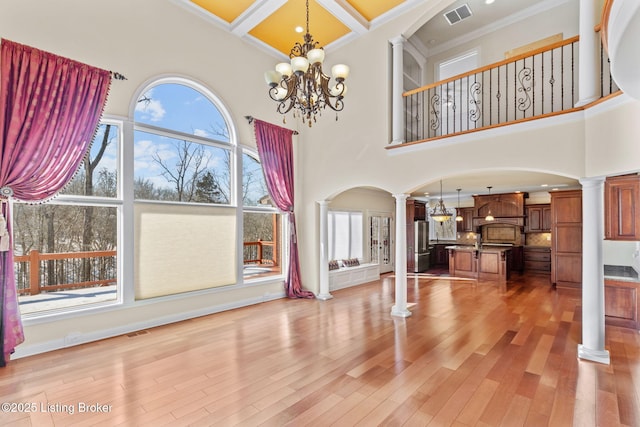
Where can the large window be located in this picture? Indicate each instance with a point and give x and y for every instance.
(262, 224)
(345, 235)
(66, 249)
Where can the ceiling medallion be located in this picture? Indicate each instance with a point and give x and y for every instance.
(301, 84)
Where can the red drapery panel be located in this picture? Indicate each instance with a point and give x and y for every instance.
(275, 147)
(50, 107)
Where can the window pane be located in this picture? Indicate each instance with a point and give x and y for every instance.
(254, 187)
(179, 170)
(262, 244)
(181, 108)
(345, 235)
(65, 256)
(100, 166)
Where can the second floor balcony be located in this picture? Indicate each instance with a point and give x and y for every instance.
(537, 84)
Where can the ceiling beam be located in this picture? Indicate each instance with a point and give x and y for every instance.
(344, 12)
(255, 14)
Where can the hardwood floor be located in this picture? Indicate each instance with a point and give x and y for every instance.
(470, 355)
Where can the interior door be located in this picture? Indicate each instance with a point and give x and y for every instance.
(380, 242)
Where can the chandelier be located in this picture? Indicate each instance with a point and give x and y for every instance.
(301, 85)
(440, 213)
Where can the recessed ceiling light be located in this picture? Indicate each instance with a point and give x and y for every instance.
(488, 1)
(299, 29)
(544, 185)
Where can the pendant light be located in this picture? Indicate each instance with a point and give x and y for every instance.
(440, 213)
(489, 217)
(459, 217)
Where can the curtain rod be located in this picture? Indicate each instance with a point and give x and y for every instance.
(117, 76)
(250, 120)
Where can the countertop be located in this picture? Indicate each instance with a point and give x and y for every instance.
(620, 272)
(484, 248)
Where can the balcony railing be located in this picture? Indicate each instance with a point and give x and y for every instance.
(533, 85)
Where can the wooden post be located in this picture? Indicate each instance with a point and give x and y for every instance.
(34, 272)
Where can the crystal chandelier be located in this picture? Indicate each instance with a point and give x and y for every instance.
(302, 86)
(440, 213)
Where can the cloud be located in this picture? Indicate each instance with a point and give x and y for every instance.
(200, 132)
(150, 108)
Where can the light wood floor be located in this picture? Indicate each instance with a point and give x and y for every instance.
(469, 355)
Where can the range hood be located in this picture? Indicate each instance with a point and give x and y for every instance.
(505, 208)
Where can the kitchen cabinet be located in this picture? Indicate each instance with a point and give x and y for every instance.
(466, 225)
(566, 238)
(622, 208)
(439, 255)
(416, 210)
(517, 259)
(537, 259)
(538, 219)
(621, 301)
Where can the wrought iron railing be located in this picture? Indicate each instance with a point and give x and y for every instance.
(533, 85)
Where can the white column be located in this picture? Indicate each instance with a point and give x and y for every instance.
(324, 252)
(592, 347)
(400, 307)
(588, 52)
(397, 113)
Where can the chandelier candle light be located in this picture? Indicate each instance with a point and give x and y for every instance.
(301, 84)
(440, 213)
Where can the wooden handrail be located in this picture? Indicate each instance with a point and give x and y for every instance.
(495, 65)
(604, 24)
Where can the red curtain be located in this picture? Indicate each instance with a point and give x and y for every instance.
(50, 107)
(275, 148)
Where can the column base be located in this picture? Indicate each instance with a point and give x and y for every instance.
(600, 356)
(324, 297)
(397, 142)
(398, 312)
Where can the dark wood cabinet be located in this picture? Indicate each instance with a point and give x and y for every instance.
(621, 301)
(439, 255)
(466, 225)
(416, 210)
(566, 238)
(517, 259)
(537, 259)
(622, 208)
(538, 219)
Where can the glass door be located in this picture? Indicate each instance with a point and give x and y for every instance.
(380, 242)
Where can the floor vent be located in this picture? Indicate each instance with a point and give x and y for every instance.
(136, 333)
(458, 14)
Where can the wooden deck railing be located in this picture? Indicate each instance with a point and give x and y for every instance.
(536, 84)
(38, 272)
(261, 253)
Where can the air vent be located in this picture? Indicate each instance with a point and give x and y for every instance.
(458, 14)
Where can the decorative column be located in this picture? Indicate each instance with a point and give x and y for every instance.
(588, 52)
(397, 113)
(324, 252)
(592, 347)
(400, 308)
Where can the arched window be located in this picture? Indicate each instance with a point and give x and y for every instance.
(182, 148)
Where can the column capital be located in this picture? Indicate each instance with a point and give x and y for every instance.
(401, 196)
(398, 40)
(323, 202)
(592, 181)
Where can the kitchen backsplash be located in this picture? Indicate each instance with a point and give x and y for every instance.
(538, 239)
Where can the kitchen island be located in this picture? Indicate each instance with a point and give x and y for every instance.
(486, 263)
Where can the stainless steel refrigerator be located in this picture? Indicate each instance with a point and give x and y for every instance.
(421, 248)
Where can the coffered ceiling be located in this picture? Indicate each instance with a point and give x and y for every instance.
(272, 23)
